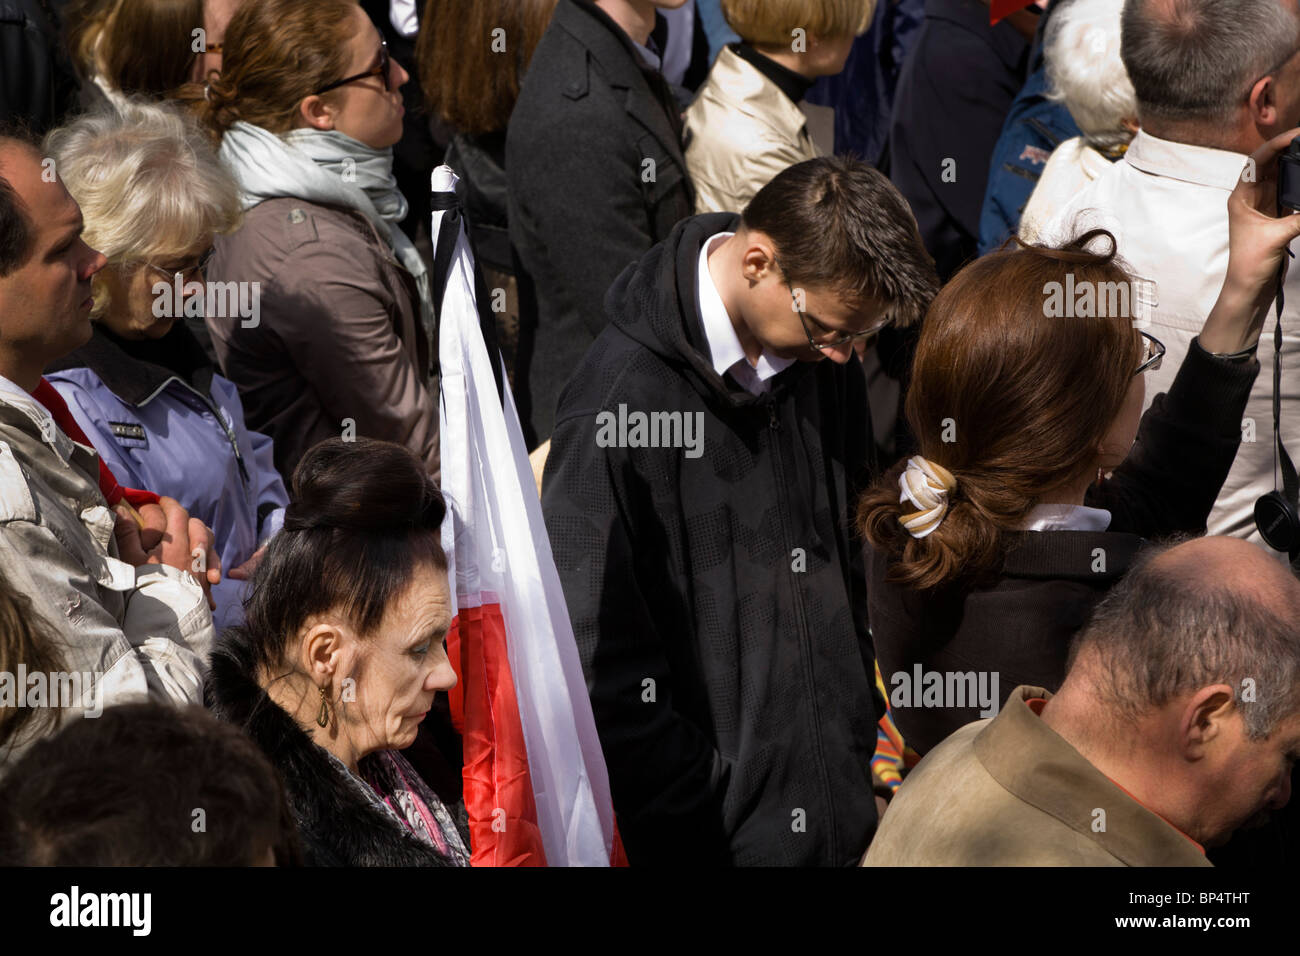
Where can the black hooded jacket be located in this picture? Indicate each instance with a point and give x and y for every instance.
(717, 596)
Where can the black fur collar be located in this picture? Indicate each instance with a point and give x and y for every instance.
(336, 825)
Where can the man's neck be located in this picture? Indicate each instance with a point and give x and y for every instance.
(1120, 752)
(636, 18)
(1229, 138)
(723, 267)
(26, 375)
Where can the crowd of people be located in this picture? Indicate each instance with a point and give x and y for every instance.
(889, 368)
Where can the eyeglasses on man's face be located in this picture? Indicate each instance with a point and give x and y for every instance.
(1153, 351)
(380, 71)
(824, 338)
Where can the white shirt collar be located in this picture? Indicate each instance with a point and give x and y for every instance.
(725, 350)
(1200, 165)
(1066, 518)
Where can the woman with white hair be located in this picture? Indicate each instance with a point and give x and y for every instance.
(1082, 54)
(145, 391)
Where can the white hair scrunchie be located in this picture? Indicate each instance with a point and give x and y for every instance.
(927, 486)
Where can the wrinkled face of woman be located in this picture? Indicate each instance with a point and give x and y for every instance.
(144, 300)
(386, 682)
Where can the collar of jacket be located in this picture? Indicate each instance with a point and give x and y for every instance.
(1186, 162)
(1038, 766)
(743, 87)
(25, 412)
(790, 83)
(1093, 557)
(613, 50)
(337, 825)
(973, 16)
(134, 371)
(656, 303)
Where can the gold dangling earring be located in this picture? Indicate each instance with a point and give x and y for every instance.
(323, 718)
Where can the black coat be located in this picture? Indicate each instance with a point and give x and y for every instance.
(954, 93)
(38, 87)
(718, 601)
(336, 825)
(1020, 626)
(596, 177)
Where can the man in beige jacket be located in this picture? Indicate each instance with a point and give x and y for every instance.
(1177, 723)
(116, 604)
(748, 121)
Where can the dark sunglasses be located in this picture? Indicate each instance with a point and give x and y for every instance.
(381, 71)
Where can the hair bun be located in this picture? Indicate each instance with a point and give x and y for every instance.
(363, 486)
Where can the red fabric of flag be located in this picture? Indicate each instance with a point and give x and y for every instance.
(498, 789)
(998, 9)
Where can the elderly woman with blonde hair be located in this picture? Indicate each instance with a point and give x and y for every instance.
(1082, 55)
(144, 388)
(746, 124)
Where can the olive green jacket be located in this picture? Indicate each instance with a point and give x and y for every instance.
(1009, 791)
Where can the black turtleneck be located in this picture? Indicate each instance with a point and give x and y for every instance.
(791, 83)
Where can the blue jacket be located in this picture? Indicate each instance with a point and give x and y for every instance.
(1035, 126)
(163, 421)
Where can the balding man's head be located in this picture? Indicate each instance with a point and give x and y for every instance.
(1194, 63)
(1207, 611)
(1185, 687)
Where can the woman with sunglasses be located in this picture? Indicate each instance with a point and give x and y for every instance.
(306, 110)
(1038, 478)
(153, 194)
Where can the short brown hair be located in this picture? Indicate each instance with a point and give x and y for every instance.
(1010, 399)
(123, 789)
(143, 47)
(276, 53)
(840, 225)
(466, 83)
(773, 22)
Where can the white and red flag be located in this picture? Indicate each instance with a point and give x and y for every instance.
(536, 787)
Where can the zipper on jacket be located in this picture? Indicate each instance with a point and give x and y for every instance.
(216, 412)
(805, 642)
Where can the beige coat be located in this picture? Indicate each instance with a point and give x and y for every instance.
(740, 132)
(1009, 791)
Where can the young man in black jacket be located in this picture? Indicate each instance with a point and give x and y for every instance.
(703, 470)
(596, 177)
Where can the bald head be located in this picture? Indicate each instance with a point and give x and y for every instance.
(1231, 566)
(1210, 611)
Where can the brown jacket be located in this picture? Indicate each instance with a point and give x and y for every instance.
(337, 340)
(1009, 791)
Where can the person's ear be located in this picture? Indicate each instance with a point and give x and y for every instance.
(1263, 103)
(323, 646)
(316, 113)
(1204, 720)
(758, 261)
(1131, 124)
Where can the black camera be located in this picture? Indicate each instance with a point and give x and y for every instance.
(1276, 514)
(1288, 178)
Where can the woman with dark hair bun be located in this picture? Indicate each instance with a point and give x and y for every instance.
(1035, 485)
(341, 656)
